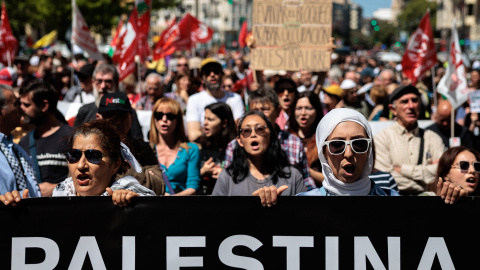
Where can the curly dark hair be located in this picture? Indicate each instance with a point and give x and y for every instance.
(109, 139)
(277, 165)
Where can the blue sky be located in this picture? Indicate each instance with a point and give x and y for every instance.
(369, 6)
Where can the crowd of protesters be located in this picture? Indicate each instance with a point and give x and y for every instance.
(213, 118)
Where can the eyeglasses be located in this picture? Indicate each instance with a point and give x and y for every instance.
(465, 165)
(182, 65)
(93, 156)
(100, 81)
(227, 86)
(260, 130)
(159, 116)
(337, 147)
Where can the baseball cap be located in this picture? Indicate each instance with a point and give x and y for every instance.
(7, 75)
(117, 101)
(402, 90)
(334, 89)
(209, 62)
(21, 59)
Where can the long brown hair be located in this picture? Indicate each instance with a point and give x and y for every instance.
(179, 131)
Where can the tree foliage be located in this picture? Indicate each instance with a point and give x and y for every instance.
(48, 15)
(412, 13)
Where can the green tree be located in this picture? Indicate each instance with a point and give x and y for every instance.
(412, 13)
(48, 15)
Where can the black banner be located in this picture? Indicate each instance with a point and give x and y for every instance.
(238, 233)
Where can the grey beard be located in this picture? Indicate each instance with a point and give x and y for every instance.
(212, 87)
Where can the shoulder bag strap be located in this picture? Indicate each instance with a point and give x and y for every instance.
(33, 154)
(422, 143)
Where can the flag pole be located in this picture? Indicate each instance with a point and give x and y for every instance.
(9, 60)
(72, 78)
(452, 124)
(435, 101)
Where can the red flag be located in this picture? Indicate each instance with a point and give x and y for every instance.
(246, 82)
(242, 36)
(158, 50)
(222, 49)
(143, 28)
(114, 41)
(420, 54)
(181, 36)
(8, 42)
(126, 47)
(199, 32)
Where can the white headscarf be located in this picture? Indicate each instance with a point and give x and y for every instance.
(362, 186)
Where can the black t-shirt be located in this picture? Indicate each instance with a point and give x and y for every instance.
(51, 154)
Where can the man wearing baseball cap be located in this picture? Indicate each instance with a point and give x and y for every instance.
(82, 93)
(7, 76)
(212, 73)
(408, 152)
(117, 109)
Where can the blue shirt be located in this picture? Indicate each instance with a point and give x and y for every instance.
(184, 172)
(7, 178)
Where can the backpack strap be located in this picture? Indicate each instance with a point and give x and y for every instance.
(422, 144)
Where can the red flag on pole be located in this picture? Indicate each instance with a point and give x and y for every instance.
(143, 7)
(242, 36)
(181, 36)
(8, 42)
(420, 54)
(126, 47)
(114, 41)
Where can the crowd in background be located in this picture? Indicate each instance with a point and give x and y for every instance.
(220, 128)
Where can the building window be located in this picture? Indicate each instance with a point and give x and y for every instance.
(469, 9)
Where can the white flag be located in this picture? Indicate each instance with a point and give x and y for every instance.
(81, 35)
(453, 84)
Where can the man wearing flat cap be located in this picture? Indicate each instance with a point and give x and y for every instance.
(408, 152)
(211, 72)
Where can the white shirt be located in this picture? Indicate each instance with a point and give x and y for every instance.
(197, 103)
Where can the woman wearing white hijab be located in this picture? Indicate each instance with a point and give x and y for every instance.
(344, 142)
(346, 169)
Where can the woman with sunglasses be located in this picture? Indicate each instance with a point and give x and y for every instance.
(344, 142)
(308, 112)
(178, 158)
(218, 130)
(96, 155)
(458, 173)
(258, 161)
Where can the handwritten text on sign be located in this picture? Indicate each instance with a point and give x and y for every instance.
(292, 34)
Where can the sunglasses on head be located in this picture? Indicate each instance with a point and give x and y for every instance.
(159, 116)
(259, 130)
(337, 147)
(93, 156)
(465, 165)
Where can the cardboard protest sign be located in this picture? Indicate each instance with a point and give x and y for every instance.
(292, 34)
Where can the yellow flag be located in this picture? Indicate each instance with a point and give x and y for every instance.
(46, 40)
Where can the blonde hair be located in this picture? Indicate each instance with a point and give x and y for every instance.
(179, 131)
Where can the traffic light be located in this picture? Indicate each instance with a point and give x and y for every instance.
(376, 28)
(373, 22)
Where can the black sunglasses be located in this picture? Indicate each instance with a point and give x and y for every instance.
(290, 90)
(259, 130)
(337, 147)
(465, 165)
(216, 71)
(93, 156)
(159, 116)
